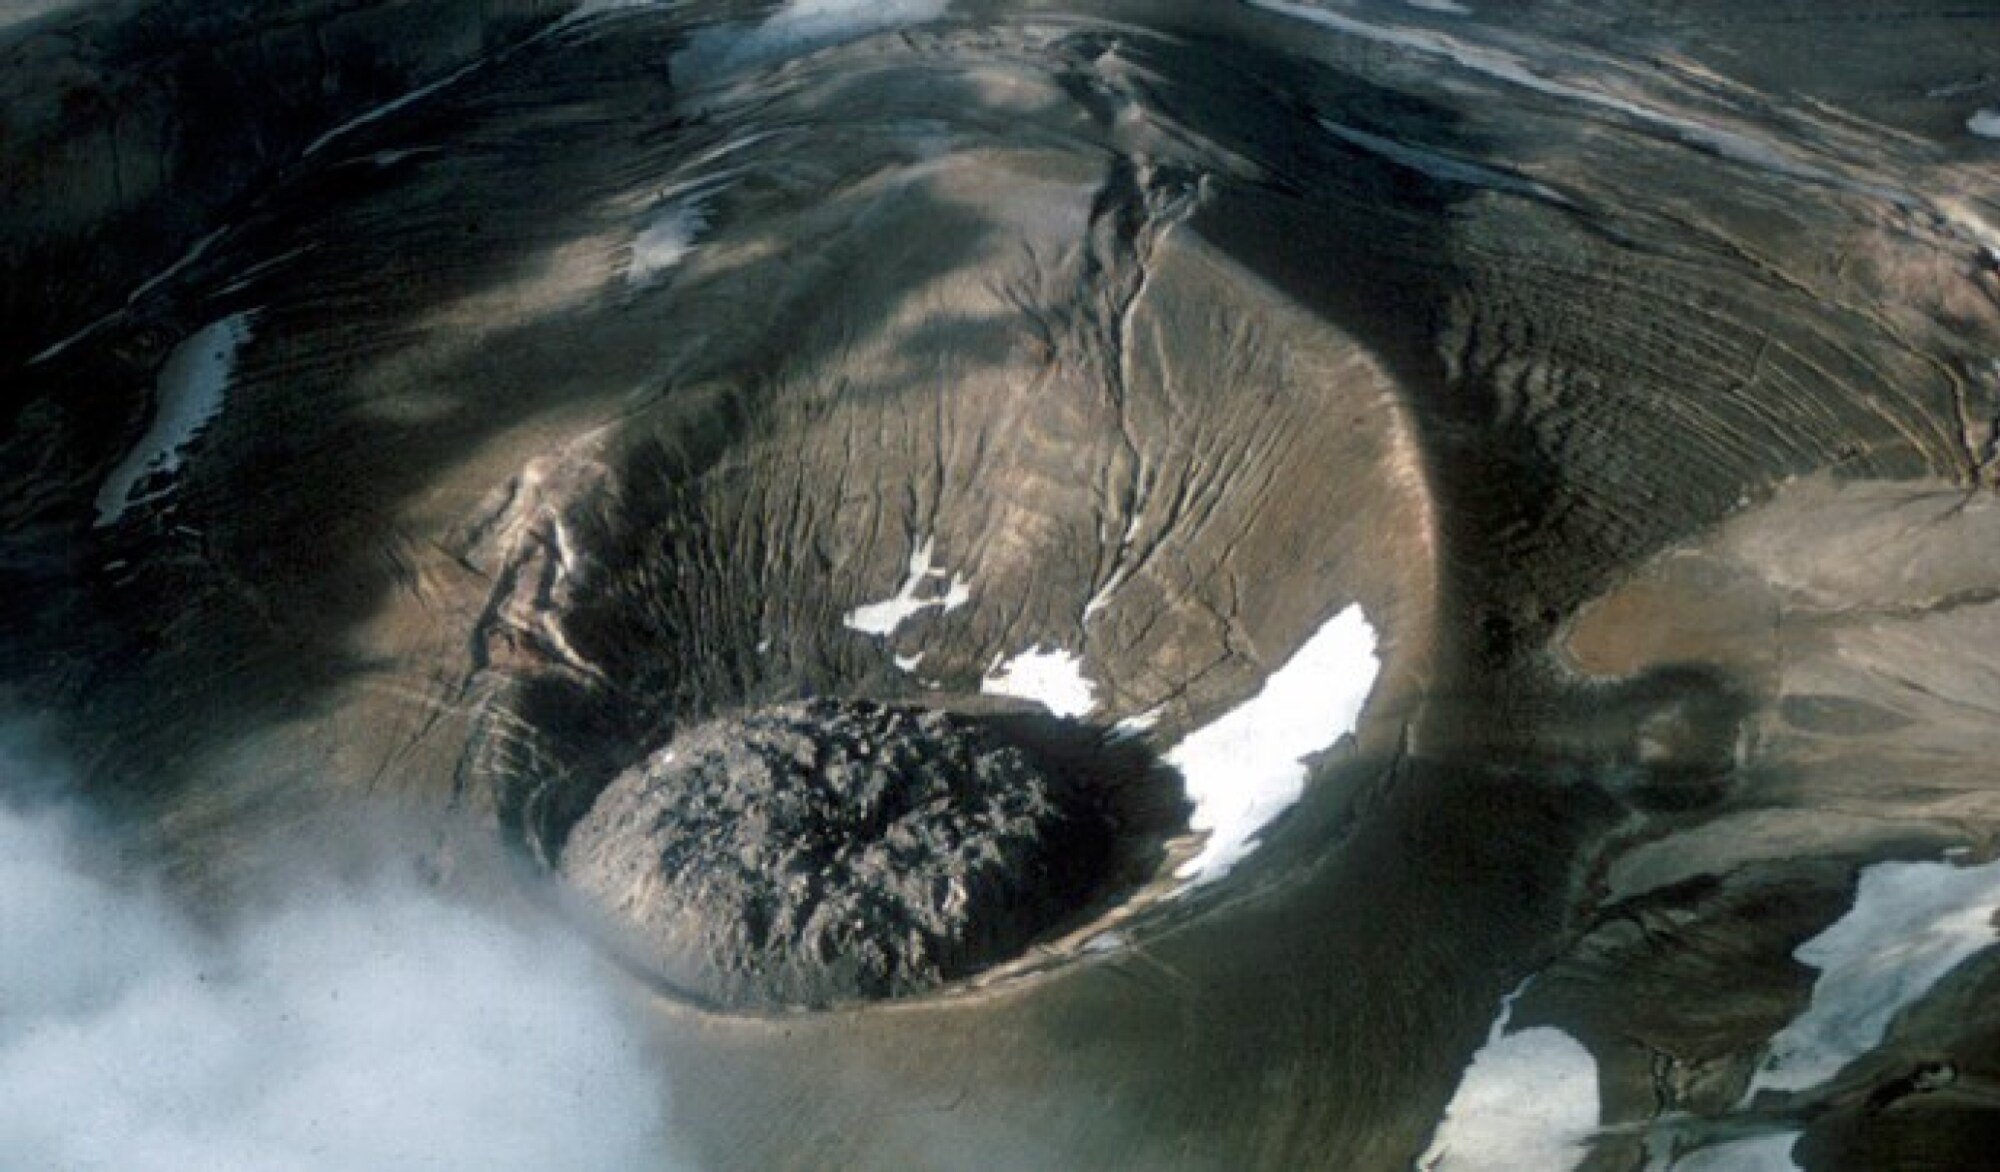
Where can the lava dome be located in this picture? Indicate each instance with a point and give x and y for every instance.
(832, 850)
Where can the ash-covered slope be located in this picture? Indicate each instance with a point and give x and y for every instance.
(1565, 433)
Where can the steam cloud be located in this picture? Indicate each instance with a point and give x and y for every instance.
(380, 1028)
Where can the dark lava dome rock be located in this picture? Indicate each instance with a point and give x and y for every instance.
(828, 850)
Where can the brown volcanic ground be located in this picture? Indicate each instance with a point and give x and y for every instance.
(1635, 369)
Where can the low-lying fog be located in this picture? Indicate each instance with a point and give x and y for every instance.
(345, 1025)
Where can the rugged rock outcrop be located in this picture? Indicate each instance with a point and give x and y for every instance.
(828, 851)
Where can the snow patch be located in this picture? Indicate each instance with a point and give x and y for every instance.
(188, 396)
(1446, 7)
(1764, 1153)
(1053, 679)
(1102, 598)
(256, 272)
(799, 27)
(882, 618)
(908, 663)
(194, 253)
(1443, 167)
(1132, 726)
(594, 8)
(1248, 767)
(22, 11)
(665, 241)
(390, 107)
(387, 159)
(1911, 925)
(1529, 1100)
(1985, 123)
(1119, 573)
(1514, 70)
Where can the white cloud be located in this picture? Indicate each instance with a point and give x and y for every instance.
(378, 1028)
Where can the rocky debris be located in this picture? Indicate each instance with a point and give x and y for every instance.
(830, 850)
